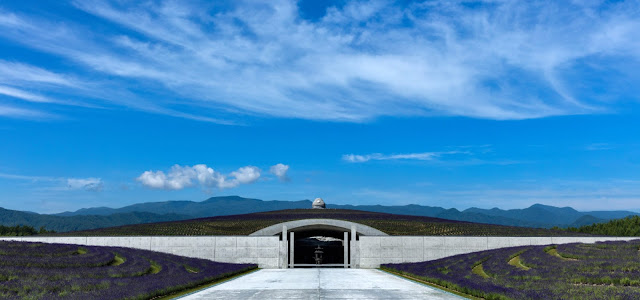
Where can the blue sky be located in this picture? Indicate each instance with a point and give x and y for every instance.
(442, 103)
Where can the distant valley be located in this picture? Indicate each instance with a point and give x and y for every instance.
(537, 215)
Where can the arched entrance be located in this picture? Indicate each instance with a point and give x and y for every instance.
(317, 247)
(318, 242)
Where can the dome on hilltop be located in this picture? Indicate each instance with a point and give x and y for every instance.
(318, 204)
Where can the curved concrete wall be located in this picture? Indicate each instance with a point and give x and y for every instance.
(269, 252)
(328, 223)
(263, 250)
(398, 249)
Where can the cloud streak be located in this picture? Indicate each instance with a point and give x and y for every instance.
(91, 184)
(366, 59)
(23, 113)
(603, 194)
(426, 156)
(24, 95)
(87, 184)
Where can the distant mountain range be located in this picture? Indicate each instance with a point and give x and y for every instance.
(537, 215)
(215, 206)
(81, 222)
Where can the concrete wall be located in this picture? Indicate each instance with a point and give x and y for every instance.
(376, 250)
(269, 252)
(264, 251)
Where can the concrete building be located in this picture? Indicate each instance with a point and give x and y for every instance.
(293, 244)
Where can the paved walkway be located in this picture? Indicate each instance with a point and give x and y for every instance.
(320, 284)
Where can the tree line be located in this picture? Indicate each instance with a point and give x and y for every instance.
(22, 230)
(629, 226)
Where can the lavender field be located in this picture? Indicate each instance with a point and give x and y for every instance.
(44, 271)
(388, 223)
(606, 270)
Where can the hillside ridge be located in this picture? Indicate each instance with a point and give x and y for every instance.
(537, 215)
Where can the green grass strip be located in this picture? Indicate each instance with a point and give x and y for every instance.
(117, 260)
(155, 268)
(554, 251)
(191, 269)
(478, 270)
(516, 262)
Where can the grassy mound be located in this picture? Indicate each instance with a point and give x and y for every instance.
(388, 223)
(45, 271)
(607, 270)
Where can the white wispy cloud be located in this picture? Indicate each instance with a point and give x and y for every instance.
(26, 177)
(604, 194)
(600, 146)
(24, 113)
(13, 72)
(92, 184)
(366, 59)
(39, 86)
(180, 177)
(88, 184)
(280, 171)
(356, 158)
(24, 95)
(583, 195)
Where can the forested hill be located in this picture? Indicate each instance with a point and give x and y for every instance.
(629, 226)
(72, 223)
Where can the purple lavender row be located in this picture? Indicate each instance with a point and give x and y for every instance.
(134, 265)
(36, 249)
(608, 270)
(135, 278)
(94, 258)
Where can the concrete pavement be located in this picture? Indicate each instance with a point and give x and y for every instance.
(320, 284)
